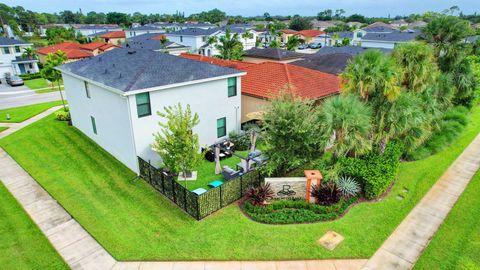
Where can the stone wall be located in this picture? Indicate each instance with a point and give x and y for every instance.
(288, 187)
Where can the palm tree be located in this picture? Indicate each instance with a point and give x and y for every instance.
(230, 47)
(50, 73)
(371, 74)
(345, 120)
(292, 43)
(163, 44)
(274, 44)
(29, 53)
(417, 64)
(247, 35)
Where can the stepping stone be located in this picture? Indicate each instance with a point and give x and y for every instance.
(330, 240)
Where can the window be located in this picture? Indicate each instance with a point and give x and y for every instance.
(143, 104)
(6, 50)
(181, 39)
(232, 87)
(221, 127)
(94, 125)
(204, 38)
(30, 65)
(87, 89)
(17, 49)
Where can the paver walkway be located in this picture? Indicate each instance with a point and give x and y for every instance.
(403, 248)
(12, 127)
(81, 251)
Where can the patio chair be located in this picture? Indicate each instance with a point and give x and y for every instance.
(215, 184)
(229, 173)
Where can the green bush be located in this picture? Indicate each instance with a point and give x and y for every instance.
(296, 211)
(375, 172)
(240, 139)
(63, 115)
(30, 76)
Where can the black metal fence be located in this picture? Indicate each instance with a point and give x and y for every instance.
(198, 206)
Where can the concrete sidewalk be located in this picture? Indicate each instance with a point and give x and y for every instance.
(403, 248)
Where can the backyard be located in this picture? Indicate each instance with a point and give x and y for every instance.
(104, 196)
(23, 245)
(20, 114)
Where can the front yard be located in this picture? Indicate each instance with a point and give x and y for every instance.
(23, 245)
(41, 84)
(133, 222)
(20, 114)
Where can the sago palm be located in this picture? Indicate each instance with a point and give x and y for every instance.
(229, 47)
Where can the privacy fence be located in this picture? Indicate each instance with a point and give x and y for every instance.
(198, 206)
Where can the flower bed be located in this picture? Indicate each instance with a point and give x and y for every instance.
(296, 211)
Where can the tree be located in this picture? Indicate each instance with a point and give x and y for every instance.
(95, 18)
(357, 18)
(325, 15)
(29, 53)
(347, 120)
(49, 72)
(176, 143)
(229, 46)
(292, 43)
(371, 75)
(417, 64)
(163, 43)
(447, 35)
(117, 18)
(212, 16)
(67, 16)
(291, 133)
(246, 36)
(465, 83)
(299, 23)
(274, 44)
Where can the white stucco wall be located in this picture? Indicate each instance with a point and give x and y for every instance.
(209, 100)
(374, 44)
(114, 132)
(6, 64)
(194, 42)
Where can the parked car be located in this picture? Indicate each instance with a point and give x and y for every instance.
(315, 46)
(303, 47)
(15, 81)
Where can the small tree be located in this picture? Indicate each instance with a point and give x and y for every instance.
(229, 46)
(292, 43)
(291, 133)
(49, 71)
(29, 53)
(176, 144)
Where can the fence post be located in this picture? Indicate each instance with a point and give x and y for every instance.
(173, 189)
(185, 199)
(162, 179)
(149, 172)
(241, 186)
(198, 207)
(221, 202)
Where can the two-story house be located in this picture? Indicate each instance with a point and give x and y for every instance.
(114, 99)
(12, 60)
(142, 30)
(195, 38)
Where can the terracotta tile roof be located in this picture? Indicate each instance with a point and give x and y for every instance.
(310, 33)
(159, 37)
(77, 54)
(71, 49)
(114, 34)
(108, 46)
(93, 45)
(266, 79)
(288, 31)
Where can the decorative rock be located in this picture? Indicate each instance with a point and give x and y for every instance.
(330, 240)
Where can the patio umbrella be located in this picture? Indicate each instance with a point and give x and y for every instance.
(218, 169)
(253, 140)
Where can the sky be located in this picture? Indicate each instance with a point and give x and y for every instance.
(382, 8)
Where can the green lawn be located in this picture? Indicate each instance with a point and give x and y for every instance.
(22, 245)
(3, 128)
(20, 114)
(39, 84)
(133, 222)
(456, 245)
(206, 171)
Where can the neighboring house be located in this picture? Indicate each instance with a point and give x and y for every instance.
(258, 55)
(286, 34)
(351, 50)
(309, 36)
(417, 24)
(329, 63)
(76, 51)
(89, 29)
(195, 38)
(11, 59)
(332, 39)
(322, 25)
(399, 23)
(116, 37)
(172, 27)
(354, 25)
(387, 40)
(152, 42)
(114, 99)
(265, 80)
(42, 29)
(141, 30)
(247, 43)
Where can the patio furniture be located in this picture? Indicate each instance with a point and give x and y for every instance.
(254, 154)
(199, 191)
(229, 173)
(215, 184)
(260, 160)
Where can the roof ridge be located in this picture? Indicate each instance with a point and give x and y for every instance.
(289, 79)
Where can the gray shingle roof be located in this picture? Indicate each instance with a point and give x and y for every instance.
(352, 50)
(394, 36)
(195, 32)
(145, 42)
(380, 29)
(97, 27)
(129, 70)
(329, 63)
(273, 53)
(145, 28)
(97, 34)
(10, 41)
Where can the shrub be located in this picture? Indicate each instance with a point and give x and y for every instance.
(325, 194)
(63, 115)
(348, 187)
(374, 171)
(30, 76)
(240, 139)
(258, 196)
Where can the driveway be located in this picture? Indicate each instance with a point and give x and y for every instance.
(22, 95)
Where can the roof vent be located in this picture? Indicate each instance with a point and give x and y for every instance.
(113, 65)
(132, 52)
(106, 71)
(120, 76)
(99, 59)
(128, 45)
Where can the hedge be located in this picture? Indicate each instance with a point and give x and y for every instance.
(30, 76)
(375, 172)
